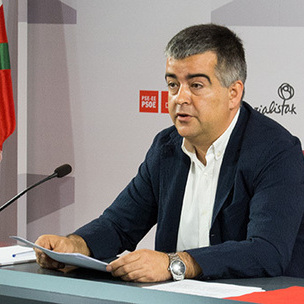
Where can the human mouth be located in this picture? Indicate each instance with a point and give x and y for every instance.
(183, 117)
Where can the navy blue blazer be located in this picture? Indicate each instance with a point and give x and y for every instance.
(257, 225)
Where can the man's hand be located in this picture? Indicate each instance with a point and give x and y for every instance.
(150, 266)
(141, 266)
(71, 243)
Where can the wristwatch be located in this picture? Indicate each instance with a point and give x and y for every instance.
(176, 266)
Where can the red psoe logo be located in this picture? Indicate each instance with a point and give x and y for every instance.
(148, 101)
(164, 102)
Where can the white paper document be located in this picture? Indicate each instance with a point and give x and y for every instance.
(206, 289)
(16, 254)
(74, 259)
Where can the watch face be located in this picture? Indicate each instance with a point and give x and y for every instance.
(178, 267)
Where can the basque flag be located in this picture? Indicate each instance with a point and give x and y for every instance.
(7, 110)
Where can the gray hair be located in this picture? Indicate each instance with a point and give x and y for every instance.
(228, 47)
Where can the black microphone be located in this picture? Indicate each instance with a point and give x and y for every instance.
(58, 172)
(62, 171)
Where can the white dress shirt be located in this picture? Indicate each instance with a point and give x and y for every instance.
(197, 210)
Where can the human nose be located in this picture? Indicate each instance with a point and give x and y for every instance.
(183, 96)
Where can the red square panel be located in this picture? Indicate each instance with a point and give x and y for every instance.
(164, 102)
(148, 101)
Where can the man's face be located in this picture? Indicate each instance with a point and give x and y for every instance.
(199, 106)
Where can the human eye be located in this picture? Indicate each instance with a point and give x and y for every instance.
(172, 86)
(197, 85)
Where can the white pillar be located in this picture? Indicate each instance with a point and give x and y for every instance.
(22, 116)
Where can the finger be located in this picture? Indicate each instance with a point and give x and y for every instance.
(126, 259)
(134, 276)
(44, 241)
(125, 269)
(46, 262)
(139, 276)
(40, 257)
(43, 260)
(123, 260)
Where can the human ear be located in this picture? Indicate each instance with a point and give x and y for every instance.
(235, 94)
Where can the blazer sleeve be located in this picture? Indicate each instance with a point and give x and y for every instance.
(132, 214)
(269, 188)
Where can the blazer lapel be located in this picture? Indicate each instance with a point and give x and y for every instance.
(229, 164)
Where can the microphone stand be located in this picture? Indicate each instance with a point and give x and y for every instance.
(26, 190)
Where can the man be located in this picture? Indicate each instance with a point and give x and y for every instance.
(224, 184)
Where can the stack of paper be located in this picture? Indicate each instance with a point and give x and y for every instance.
(74, 259)
(16, 255)
(206, 289)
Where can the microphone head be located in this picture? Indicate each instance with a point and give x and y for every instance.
(63, 170)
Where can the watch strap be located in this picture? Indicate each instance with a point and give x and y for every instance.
(172, 258)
